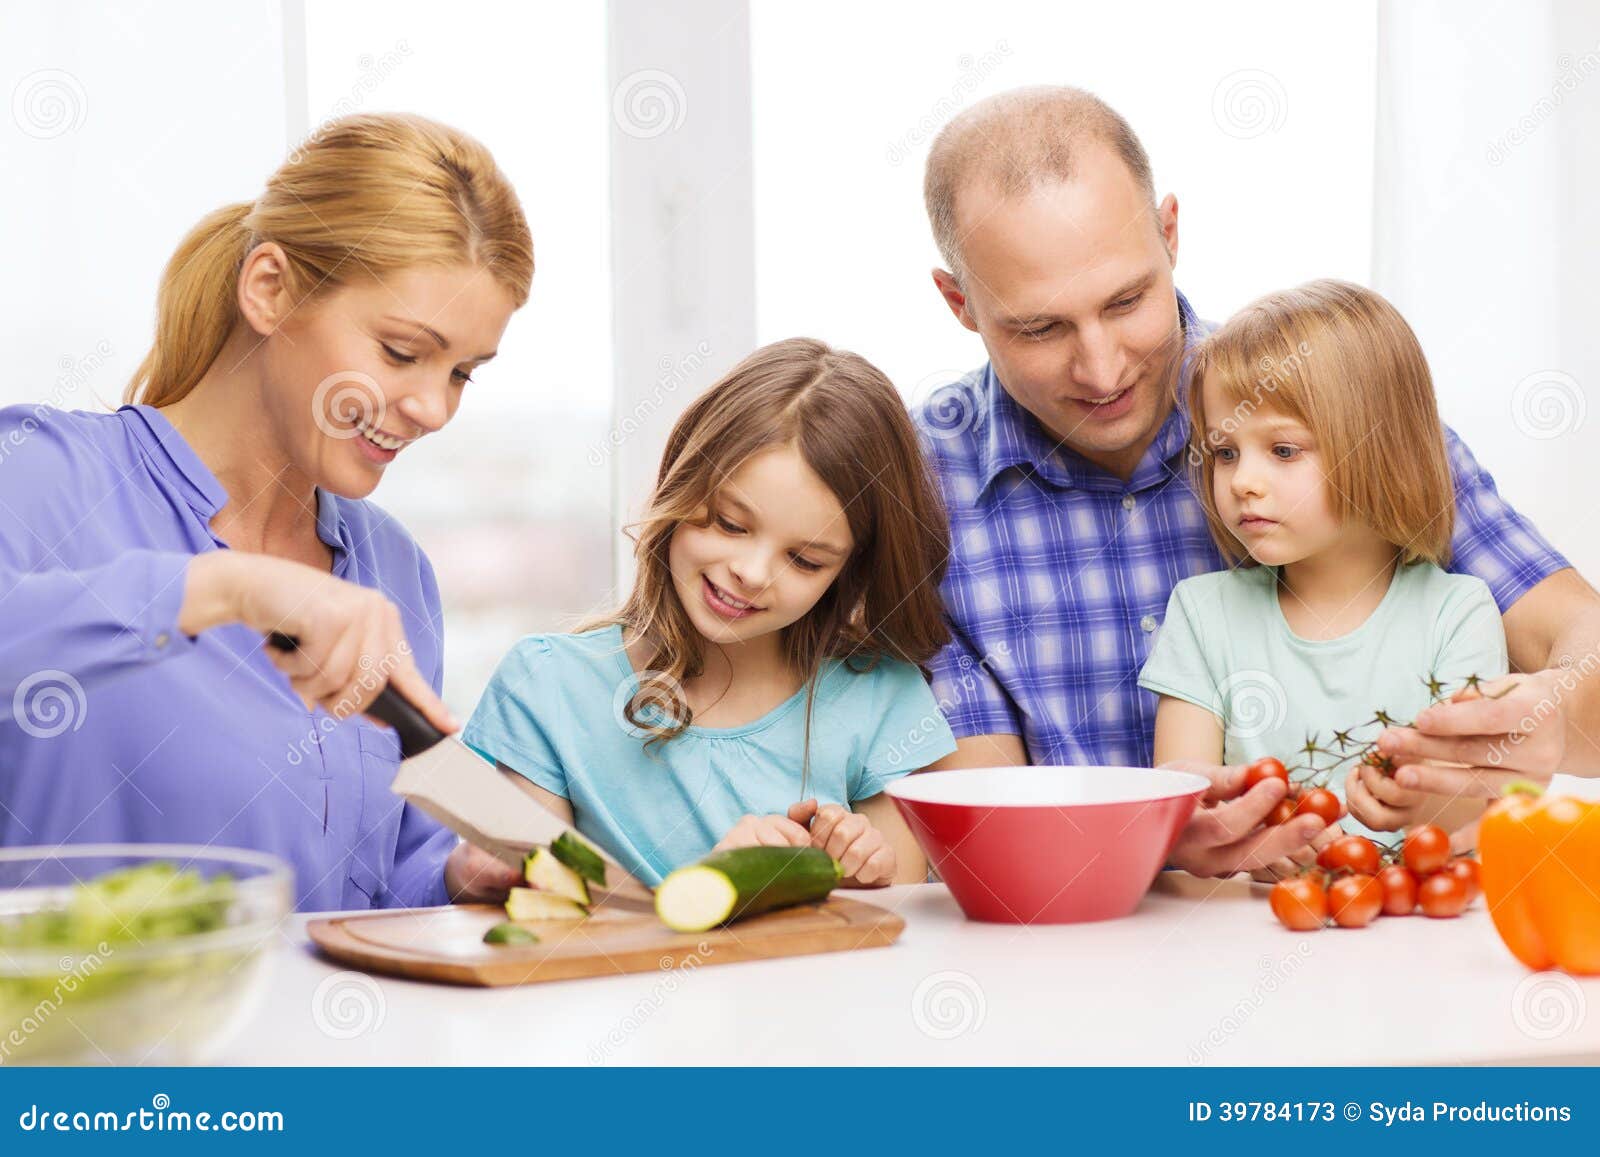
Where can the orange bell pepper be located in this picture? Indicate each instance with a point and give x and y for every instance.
(1541, 878)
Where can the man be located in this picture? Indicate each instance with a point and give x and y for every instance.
(1063, 465)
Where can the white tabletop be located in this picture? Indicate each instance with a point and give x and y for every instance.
(1200, 974)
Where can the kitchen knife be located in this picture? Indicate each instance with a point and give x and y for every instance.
(466, 793)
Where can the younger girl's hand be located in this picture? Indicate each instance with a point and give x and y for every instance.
(849, 837)
(1379, 802)
(764, 832)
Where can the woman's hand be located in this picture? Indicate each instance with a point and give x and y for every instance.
(764, 832)
(351, 642)
(473, 876)
(867, 858)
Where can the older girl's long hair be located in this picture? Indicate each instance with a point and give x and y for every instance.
(851, 427)
(367, 195)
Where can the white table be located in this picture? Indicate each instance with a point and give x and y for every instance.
(1200, 974)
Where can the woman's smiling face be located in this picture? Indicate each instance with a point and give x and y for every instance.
(353, 378)
(776, 539)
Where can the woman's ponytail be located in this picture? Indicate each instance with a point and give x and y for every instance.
(195, 307)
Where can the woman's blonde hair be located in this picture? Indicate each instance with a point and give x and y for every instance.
(850, 425)
(369, 195)
(1340, 360)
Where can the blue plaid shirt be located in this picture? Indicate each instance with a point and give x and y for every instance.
(1060, 571)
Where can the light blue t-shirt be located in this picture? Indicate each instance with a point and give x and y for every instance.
(1225, 646)
(554, 712)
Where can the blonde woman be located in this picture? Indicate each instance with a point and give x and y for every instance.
(302, 342)
(1324, 479)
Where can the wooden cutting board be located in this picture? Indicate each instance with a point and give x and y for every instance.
(622, 935)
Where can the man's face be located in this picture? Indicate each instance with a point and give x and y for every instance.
(1070, 287)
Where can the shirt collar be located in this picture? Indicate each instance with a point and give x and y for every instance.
(170, 454)
(1015, 437)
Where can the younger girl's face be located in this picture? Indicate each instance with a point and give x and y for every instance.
(776, 540)
(1269, 482)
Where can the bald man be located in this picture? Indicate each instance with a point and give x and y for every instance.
(1062, 462)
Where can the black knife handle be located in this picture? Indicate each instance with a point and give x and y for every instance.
(416, 733)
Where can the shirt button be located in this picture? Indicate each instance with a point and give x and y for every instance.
(163, 639)
(1127, 502)
(1148, 623)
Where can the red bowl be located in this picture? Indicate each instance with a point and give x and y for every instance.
(1048, 845)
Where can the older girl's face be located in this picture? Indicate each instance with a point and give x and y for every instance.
(354, 378)
(776, 540)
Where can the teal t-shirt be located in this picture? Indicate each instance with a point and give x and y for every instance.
(1225, 646)
(554, 712)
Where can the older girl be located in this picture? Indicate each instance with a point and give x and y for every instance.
(761, 684)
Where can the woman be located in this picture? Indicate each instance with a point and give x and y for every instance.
(302, 342)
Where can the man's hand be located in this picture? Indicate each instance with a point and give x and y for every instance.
(1225, 835)
(1515, 729)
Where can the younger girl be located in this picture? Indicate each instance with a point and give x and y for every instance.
(761, 684)
(1323, 475)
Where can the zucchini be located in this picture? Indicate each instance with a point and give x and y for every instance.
(509, 933)
(543, 871)
(580, 857)
(740, 882)
(531, 904)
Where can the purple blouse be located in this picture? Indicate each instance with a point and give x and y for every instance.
(117, 727)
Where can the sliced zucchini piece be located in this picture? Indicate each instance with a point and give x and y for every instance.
(531, 904)
(543, 871)
(731, 885)
(570, 849)
(509, 933)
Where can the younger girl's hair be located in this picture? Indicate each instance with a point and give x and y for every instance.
(851, 427)
(368, 195)
(1340, 360)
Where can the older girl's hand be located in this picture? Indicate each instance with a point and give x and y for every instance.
(867, 858)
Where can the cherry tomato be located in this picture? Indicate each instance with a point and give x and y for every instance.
(1355, 901)
(1281, 813)
(1355, 853)
(1426, 850)
(1319, 801)
(1399, 890)
(1442, 895)
(1465, 870)
(1300, 904)
(1267, 767)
